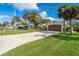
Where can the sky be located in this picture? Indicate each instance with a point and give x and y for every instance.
(46, 10)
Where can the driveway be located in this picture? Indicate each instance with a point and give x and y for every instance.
(11, 41)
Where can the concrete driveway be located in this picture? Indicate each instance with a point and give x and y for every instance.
(11, 41)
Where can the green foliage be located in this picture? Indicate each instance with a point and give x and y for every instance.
(76, 27)
(46, 21)
(12, 22)
(69, 12)
(5, 23)
(23, 23)
(16, 18)
(0, 24)
(34, 18)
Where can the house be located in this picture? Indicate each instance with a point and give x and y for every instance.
(1, 27)
(23, 27)
(56, 27)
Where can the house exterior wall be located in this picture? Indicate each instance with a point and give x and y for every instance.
(55, 28)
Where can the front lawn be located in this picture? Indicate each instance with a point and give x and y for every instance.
(16, 31)
(55, 45)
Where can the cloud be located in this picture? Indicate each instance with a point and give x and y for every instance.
(50, 18)
(43, 14)
(4, 18)
(26, 6)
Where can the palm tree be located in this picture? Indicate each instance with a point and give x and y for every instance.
(72, 13)
(62, 14)
(34, 18)
(12, 22)
(46, 21)
(15, 20)
(69, 13)
(77, 12)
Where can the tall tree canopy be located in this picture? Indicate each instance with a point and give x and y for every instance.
(68, 12)
(34, 18)
(6, 23)
(46, 21)
(16, 19)
(63, 14)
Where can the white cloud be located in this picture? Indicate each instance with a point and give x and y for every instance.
(50, 18)
(5, 18)
(43, 14)
(25, 6)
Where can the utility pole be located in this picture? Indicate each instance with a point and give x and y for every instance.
(14, 14)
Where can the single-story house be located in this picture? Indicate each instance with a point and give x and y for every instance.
(5, 27)
(1, 27)
(56, 27)
(23, 27)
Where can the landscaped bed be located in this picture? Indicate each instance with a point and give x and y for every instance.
(55, 45)
(16, 31)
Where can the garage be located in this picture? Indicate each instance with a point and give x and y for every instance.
(55, 27)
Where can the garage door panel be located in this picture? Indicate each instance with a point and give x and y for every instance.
(54, 27)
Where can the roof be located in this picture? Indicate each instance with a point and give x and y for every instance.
(55, 24)
(61, 24)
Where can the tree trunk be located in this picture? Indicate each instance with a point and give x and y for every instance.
(71, 28)
(64, 27)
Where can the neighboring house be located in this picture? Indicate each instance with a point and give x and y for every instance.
(6, 27)
(9, 27)
(23, 27)
(1, 27)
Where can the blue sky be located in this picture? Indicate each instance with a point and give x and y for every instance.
(46, 10)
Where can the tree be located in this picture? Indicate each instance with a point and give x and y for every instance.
(15, 21)
(12, 22)
(23, 23)
(0, 24)
(46, 21)
(6, 23)
(77, 12)
(76, 26)
(62, 14)
(69, 13)
(34, 18)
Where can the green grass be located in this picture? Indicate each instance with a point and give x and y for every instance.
(55, 45)
(16, 31)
